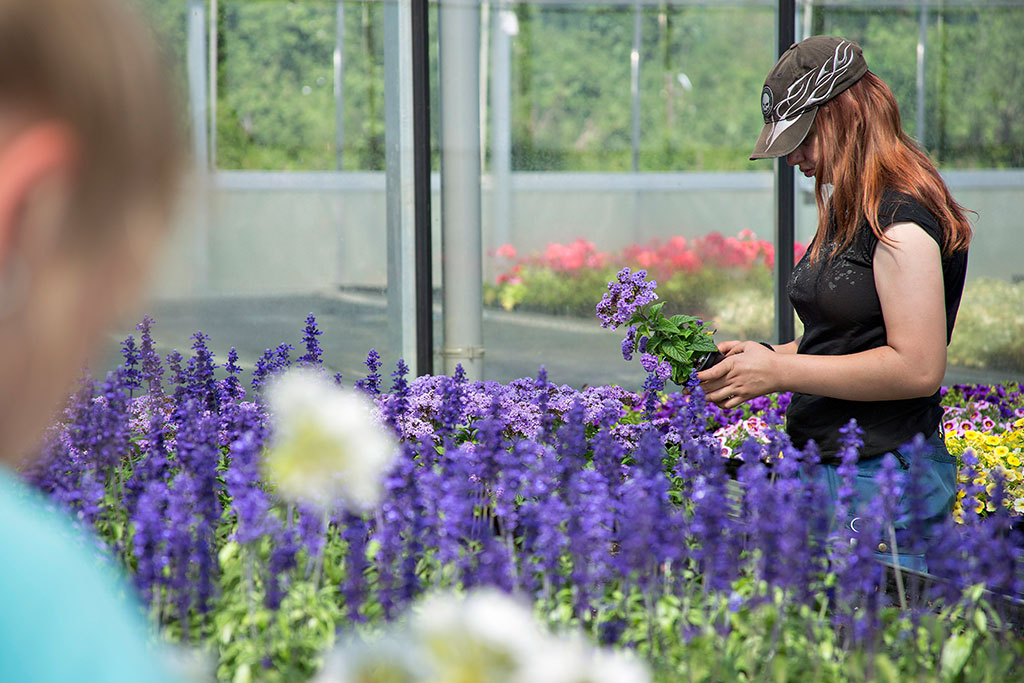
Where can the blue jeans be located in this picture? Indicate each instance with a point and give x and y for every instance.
(936, 472)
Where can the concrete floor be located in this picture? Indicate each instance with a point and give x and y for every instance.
(576, 352)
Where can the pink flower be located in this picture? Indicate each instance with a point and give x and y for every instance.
(506, 251)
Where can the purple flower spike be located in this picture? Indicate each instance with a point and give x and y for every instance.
(313, 353)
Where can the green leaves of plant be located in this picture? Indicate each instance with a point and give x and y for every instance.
(680, 339)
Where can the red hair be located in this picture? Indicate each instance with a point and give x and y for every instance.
(863, 151)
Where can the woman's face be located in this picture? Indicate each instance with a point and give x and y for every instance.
(806, 155)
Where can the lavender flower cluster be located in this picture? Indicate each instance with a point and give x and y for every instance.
(529, 487)
(626, 294)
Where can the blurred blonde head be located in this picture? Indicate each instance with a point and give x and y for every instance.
(90, 156)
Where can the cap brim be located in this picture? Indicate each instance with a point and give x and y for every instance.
(779, 138)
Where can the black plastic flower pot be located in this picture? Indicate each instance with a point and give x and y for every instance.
(708, 360)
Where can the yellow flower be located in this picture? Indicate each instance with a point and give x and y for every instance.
(1012, 460)
(1019, 423)
(971, 435)
(1011, 475)
(1001, 451)
(1018, 506)
(992, 440)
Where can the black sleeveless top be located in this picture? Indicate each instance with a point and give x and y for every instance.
(838, 304)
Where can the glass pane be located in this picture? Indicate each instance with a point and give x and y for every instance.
(602, 176)
(277, 230)
(954, 70)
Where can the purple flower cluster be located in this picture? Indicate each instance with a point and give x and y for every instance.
(527, 487)
(626, 294)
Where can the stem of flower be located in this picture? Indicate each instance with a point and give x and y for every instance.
(896, 568)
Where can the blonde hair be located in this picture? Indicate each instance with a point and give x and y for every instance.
(94, 65)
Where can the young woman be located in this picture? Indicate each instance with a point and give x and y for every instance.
(89, 158)
(879, 287)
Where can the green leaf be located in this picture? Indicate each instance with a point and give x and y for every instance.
(666, 326)
(955, 653)
(703, 344)
(227, 552)
(674, 352)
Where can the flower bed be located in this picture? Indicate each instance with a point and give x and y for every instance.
(610, 512)
(728, 282)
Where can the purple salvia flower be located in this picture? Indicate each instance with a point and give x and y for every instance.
(148, 536)
(653, 385)
(397, 402)
(230, 388)
(572, 445)
(452, 403)
(371, 383)
(177, 539)
(130, 375)
(152, 370)
(542, 395)
(313, 353)
(544, 515)
(456, 506)
(312, 533)
(590, 535)
(263, 369)
(201, 383)
(282, 560)
(353, 588)
(249, 500)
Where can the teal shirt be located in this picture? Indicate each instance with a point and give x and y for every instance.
(65, 614)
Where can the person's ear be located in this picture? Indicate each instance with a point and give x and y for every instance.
(35, 155)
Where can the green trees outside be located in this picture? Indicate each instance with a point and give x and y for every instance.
(701, 69)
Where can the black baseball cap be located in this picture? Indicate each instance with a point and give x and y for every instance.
(807, 75)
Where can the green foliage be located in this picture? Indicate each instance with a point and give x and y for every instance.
(990, 326)
(681, 340)
(571, 102)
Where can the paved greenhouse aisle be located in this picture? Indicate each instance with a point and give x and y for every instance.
(575, 352)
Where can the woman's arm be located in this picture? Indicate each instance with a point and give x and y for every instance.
(908, 278)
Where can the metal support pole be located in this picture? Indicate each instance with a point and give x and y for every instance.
(198, 89)
(399, 178)
(634, 84)
(339, 83)
(504, 25)
(785, 201)
(214, 16)
(421, 162)
(197, 85)
(922, 53)
(459, 52)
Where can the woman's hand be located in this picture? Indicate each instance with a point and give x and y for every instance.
(747, 371)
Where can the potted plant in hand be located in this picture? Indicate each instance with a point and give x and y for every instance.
(681, 340)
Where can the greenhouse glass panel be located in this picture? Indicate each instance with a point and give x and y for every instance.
(619, 135)
(287, 212)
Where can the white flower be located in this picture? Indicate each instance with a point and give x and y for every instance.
(326, 448)
(486, 636)
(572, 660)
(387, 659)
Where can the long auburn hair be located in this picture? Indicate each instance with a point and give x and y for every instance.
(863, 151)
